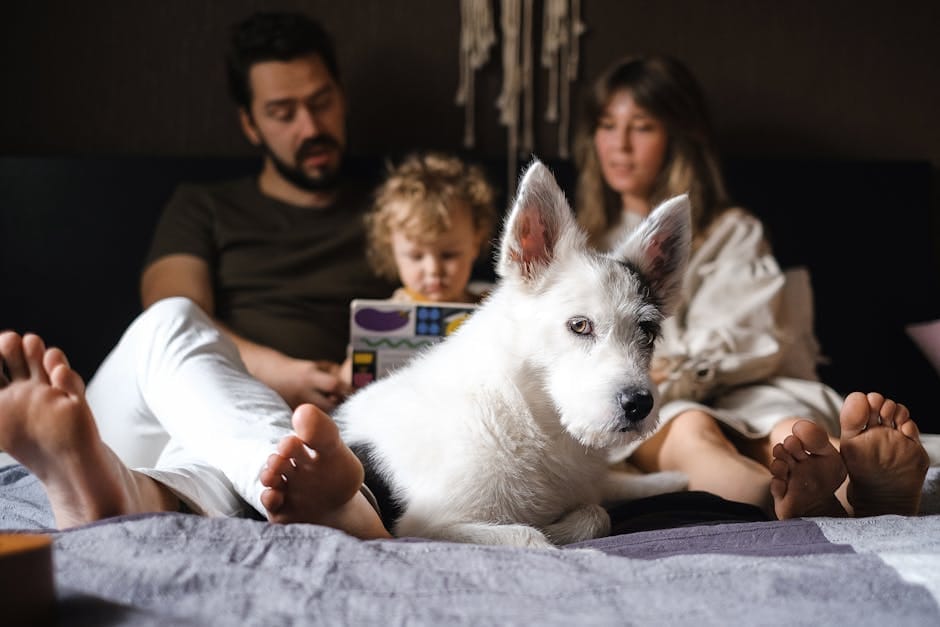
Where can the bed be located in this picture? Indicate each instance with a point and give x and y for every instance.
(726, 567)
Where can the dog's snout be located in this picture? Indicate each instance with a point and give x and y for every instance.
(636, 403)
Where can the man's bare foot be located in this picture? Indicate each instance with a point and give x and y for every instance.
(46, 425)
(807, 470)
(314, 478)
(886, 462)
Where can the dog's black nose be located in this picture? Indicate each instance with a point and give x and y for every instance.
(636, 403)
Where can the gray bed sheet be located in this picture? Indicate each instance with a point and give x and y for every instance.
(177, 569)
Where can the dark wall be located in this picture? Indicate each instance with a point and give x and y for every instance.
(842, 78)
(802, 78)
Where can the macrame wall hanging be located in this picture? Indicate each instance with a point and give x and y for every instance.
(562, 27)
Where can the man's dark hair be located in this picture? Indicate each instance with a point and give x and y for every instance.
(274, 37)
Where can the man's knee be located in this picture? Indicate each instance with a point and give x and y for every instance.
(174, 312)
(175, 307)
(171, 318)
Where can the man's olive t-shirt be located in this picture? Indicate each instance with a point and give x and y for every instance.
(283, 276)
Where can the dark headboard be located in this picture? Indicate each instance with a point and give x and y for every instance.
(864, 231)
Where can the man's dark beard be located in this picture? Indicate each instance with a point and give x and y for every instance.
(327, 181)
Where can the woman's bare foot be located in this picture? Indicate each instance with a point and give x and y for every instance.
(314, 478)
(807, 470)
(46, 425)
(886, 462)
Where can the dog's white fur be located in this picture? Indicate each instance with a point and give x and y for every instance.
(500, 434)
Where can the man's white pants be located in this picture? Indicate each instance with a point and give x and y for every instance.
(175, 402)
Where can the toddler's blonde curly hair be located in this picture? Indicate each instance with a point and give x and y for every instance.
(418, 196)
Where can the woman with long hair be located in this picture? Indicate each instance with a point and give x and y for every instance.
(743, 413)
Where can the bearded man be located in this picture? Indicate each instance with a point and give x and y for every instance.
(275, 259)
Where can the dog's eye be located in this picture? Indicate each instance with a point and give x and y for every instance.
(650, 330)
(581, 326)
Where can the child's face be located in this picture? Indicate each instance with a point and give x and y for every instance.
(439, 268)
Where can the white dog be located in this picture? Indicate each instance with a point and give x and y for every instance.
(500, 434)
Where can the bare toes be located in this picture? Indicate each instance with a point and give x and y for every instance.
(780, 470)
(11, 352)
(902, 415)
(909, 429)
(887, 464)
(875, 399)
(893, 414)
(856, 415)
(272, 500)
(794, 446)
(33, 350)
(886, 413)
(814, 438)
(64, 378)
(781, 454)
(53, 358)
(315, 428)
(292, 448)
(276, 472)
(805, 472)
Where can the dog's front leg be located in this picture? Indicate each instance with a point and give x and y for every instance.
(585, 523)
(626, 486)
(476, 533)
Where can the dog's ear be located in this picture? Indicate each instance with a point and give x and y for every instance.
(540, 226)
(659, 248)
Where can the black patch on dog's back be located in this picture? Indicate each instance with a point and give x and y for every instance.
(389, 508)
